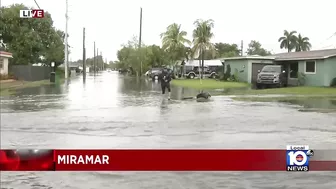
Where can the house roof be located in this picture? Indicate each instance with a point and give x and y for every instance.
(206, 63)
(253, 57)
(306, 55)
(72, 64)
(303, 55)
(6, 54)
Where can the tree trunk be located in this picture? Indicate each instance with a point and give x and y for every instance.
(202, 57)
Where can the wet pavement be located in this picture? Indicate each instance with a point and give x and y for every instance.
(113, 111)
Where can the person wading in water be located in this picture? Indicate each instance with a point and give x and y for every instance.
(165, 78)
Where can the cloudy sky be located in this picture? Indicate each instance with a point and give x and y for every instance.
(112, 23)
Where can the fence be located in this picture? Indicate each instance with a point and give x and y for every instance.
(30, 73)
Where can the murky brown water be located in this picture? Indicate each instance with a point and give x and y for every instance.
(111, 111)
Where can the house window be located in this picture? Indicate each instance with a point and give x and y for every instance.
(294, 68)
(310, 67)
(1, 63)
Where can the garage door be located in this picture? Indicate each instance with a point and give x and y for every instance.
(255, 68)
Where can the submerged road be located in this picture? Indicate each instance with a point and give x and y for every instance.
(112, 111)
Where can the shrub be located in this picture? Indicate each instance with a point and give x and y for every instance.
(234, 77)
(227, 73)
(301, 78)
(333, 82)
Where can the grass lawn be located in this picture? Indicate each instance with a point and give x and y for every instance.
(266, 95)
(292, 91)
(8, 87)
(207, 84)
(284, 98)
(22, 84)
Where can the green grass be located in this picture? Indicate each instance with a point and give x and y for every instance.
(207, 84)
(312, 91)
(292, 93)
(6, 92)
(282, 98)
(22, 84)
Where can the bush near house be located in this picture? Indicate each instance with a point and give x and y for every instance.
(333, 82)
(6, 77)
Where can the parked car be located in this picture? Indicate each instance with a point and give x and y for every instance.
(272, 76)
(155, 73)
(147, 73)
(193, 71)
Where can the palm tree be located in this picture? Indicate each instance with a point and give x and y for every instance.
(202, 35)
(288, 41)
(302, 44)
(173, 40)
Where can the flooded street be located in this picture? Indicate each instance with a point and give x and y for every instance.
(112, 111)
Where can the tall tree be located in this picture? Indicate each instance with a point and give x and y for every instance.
(227, 50)
(288, 41)
(202, 36)
(302, 44)
(254, 48)
(173, 40)
(30, 40)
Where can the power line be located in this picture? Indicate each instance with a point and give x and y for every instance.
(334, 34)
(37, 4)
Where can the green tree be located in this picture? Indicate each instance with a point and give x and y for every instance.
(129, 56)
(202, 36)
(30, 40)
(302, 44)
(173, 41)
(254, 48)
(288, 41)
(226, 50)
(156, 56)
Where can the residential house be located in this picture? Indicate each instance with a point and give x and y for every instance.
(4, 59)
(318, 66)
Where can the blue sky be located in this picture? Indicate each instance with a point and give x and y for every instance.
(112, 23)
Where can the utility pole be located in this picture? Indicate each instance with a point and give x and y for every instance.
(97, 60)
(94, 58)
(84, 57)
(102, 61)
(242, 48)
(140, 41)
(105, 63)
(66, 42)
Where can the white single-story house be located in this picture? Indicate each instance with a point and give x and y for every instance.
(4, 57)
(318, 66)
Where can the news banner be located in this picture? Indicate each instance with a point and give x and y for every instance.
(293, 158)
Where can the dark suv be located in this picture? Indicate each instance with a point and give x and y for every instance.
(273, 76)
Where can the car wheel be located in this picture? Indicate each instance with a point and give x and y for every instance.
(191, 76)
(213, 76)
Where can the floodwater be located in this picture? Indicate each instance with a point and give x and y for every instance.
(112, 111)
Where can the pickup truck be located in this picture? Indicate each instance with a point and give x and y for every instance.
(272, 76)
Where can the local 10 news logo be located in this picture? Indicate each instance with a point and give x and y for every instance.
(298, 157)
